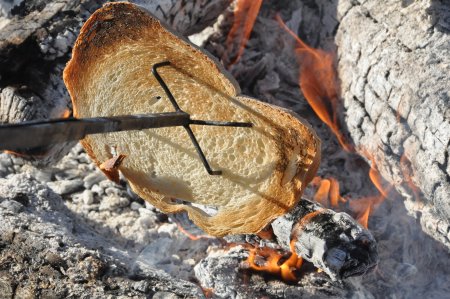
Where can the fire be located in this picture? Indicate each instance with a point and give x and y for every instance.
(319, 84)
(191, 236)
(376, 178)
(269, 260)
(328, 193)
(245, 14)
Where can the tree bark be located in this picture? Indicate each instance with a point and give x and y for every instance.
(394, 65)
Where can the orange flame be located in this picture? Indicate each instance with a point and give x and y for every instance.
(363, 207)
(270, 261)
(376, 178)
(318, 83)
(245, 14)
(328, 193)
(189, 235)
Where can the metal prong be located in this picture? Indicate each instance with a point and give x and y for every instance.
(163, 84)
(186, 127)
(200, 153)
(221, 123)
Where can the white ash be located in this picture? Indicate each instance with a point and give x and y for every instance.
(68, 257)
(186, 17)
(5, 11)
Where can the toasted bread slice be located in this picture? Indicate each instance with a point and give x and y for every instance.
(265, 168)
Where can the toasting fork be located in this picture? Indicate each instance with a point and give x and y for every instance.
(31, 134)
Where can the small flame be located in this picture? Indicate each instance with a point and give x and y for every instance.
(268, 260)
(245, 14)
(328, 193)
(318, 83)
(362, 207)
(364, 218)
(377, 180)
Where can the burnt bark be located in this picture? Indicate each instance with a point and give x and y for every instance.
(394, 65)
(334, 242)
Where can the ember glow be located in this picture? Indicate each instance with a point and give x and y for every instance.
(189, 235)
(245, 14)
(269, 260)
(66, 113)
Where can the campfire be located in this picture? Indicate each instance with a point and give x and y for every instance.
(373, 222)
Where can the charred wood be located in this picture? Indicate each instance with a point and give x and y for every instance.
(333, 242)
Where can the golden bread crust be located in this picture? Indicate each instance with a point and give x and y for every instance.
(120, 43)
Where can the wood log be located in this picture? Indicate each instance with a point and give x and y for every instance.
(333, 242)
(184, 16)
(394, 64)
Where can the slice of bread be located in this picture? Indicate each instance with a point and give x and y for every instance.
(265, 168)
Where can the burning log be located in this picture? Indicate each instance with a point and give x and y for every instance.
(395, 92)
(334, 242)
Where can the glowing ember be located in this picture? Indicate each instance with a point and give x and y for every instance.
(318, 83)
(191, 236)
(269, 260)
(245, 14)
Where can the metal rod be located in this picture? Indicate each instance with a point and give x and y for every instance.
(163, 84)
(200, 152)
(32, 134)
(221, 123)
(186, 127)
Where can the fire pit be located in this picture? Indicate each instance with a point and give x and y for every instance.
(372, 81)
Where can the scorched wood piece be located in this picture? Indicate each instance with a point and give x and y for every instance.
(332, 241)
